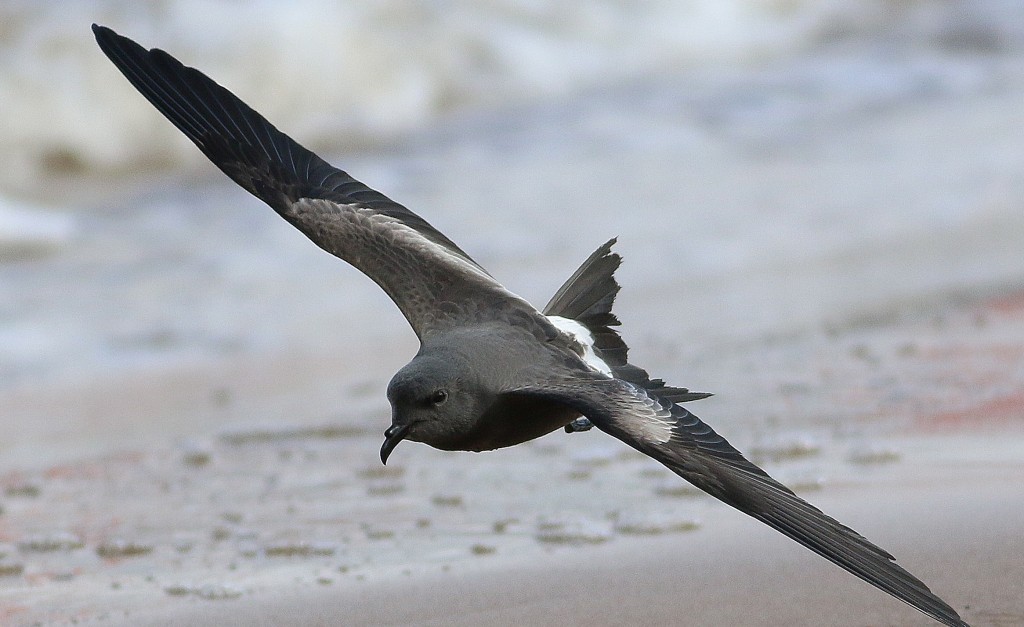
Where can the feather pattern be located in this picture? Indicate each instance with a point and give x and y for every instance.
(434, 283)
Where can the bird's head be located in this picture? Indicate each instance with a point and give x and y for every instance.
(432, 401)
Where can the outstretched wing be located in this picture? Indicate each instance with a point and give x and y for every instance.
(691, 449)
(433, 282)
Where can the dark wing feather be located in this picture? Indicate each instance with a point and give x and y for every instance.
(433, 282)
(693, 450)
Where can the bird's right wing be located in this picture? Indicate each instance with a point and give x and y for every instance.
(434, 283)
(694, 451)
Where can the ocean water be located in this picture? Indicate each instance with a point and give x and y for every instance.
(357, 71)
(771, 169)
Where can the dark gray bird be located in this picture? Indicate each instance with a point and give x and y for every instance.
(492, 371)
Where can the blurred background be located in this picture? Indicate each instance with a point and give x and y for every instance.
(773, 169)
(819, 204)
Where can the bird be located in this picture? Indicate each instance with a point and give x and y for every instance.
(492, 370)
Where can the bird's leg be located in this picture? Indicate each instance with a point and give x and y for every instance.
(578, 425)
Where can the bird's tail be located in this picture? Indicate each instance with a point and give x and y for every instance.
(587, 297)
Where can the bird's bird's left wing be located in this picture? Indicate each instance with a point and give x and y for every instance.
(693, 450)
(434, 283)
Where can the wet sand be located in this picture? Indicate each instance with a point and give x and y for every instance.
(963, 537)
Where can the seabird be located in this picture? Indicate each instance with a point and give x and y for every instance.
(492, 371)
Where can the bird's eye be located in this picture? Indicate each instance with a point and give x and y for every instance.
(438, 397)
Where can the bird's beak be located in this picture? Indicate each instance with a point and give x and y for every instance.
(394, 435)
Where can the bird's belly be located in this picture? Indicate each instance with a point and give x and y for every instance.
(514, 421)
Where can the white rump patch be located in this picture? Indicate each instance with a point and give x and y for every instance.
(582, 335)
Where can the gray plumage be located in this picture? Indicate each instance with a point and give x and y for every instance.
(492, 371)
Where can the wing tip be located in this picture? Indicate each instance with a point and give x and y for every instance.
(105, 36)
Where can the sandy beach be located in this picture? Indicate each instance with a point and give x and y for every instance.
(732, 574)
(297, 523)
(820, 212)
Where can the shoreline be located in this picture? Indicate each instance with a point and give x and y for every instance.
(948, 511)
